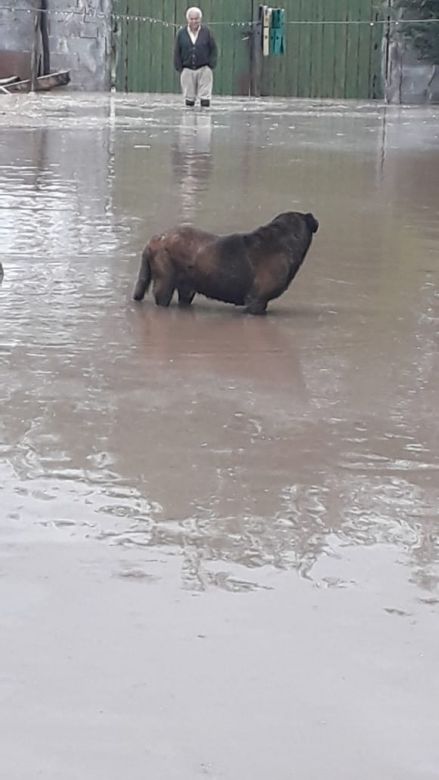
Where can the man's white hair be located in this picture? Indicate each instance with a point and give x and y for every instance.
(194, 11)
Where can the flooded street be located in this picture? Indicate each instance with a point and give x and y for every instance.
(219, 533)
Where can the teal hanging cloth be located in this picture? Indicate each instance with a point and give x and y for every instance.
(277, 31)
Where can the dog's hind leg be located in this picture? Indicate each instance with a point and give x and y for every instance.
(163, 278)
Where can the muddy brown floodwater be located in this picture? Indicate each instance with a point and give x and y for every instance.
(219, 534)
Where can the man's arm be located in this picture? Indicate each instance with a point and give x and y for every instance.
(178, 65)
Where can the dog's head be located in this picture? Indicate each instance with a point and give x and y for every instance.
(312, 222)
(293, 220)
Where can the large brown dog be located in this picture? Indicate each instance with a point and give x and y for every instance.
(247, 269)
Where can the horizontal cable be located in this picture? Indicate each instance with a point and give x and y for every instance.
(89, 16)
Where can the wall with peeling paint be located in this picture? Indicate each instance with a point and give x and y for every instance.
(79, 36)
(410, 81)
(15, 40)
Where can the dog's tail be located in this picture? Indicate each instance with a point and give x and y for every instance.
(312, 222)
(144, 278)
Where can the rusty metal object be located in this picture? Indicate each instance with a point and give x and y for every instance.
(15, 63)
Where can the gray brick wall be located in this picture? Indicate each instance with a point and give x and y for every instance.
(79, 41)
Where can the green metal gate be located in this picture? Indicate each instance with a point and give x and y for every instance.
(333, 48)
(143, 42)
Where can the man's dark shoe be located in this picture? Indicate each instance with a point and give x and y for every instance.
(190, 103)
(205, 103)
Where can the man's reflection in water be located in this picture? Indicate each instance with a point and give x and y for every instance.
(192, 162)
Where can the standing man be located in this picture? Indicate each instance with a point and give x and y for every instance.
(195, 56)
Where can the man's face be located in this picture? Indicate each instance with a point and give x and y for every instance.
(194, 22)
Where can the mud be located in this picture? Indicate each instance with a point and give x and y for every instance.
(219, 534)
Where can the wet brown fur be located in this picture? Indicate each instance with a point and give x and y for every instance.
(246, 269)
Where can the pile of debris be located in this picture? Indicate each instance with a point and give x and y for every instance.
(41, 83)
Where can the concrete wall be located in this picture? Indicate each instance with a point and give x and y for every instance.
(408, 80)
(15, 27)
(79, 35)
(15, 41)
(419, 82)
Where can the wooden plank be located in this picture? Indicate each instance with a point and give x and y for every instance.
(130, 45)
(240, 76)
(225, 36)
(133, 30)
(41, 84)
(317, 48)
(292, 53)
(338, 57)
(326, 82)
(364, 50)
(351, 84)
(230, 43)
(138, 42)
(311, 14)
(223, 12)
(138, 54)
(376, 87)
(256, 54)
(126, 44)
(142, 52)
(116, 43)
(168, 37)
(148, 43)
(180, 19)
(35, 48)
(120, 43)
(212, 14)
(156, 53)
(304, 46)
(340, 36)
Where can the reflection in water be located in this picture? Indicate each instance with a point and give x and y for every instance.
(251, 443)
(192, 161)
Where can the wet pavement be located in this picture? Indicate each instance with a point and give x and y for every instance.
(219, 534)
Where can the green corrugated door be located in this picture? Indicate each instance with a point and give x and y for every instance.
(333, 47)
(143, 41)
(143, 47)
(333, 50)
